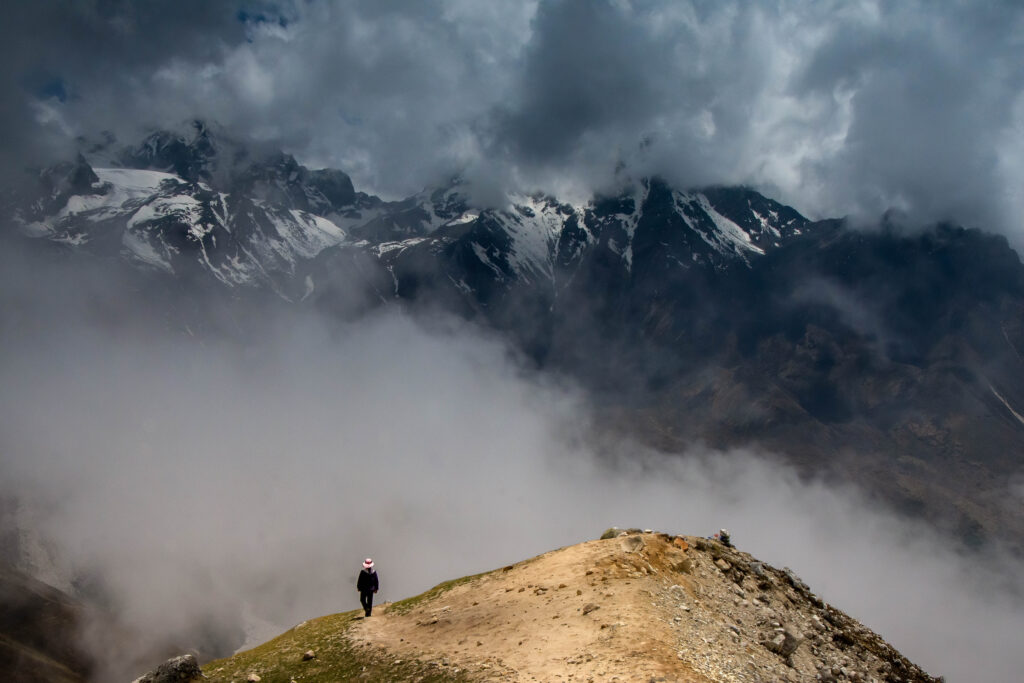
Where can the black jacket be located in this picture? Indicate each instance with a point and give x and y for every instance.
(367, 581)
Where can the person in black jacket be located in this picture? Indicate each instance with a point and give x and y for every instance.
(367, 585)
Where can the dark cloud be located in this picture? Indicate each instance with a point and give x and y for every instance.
(58, 56)
(589, 69)
(932, 98)
(836, 107)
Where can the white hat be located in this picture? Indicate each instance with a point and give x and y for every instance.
(368, 563)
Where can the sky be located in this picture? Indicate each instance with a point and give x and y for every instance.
(848, 108)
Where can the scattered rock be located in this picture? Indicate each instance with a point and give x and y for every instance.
(795, 580)
(253, 678)
(590, 607)
(785, 643)
(722, 564)
(308, 655)
(183, 669)
(679, 562)
(632, 544)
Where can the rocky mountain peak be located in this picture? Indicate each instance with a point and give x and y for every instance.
(192, 157)
(61, 182)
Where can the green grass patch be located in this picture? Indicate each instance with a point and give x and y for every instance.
(404, 606)
(337, 659)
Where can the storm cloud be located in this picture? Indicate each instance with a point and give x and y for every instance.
(837, 108)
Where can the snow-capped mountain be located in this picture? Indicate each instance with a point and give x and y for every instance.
(207, 204)
(713, 313)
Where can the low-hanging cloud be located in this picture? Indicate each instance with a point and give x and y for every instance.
(838, 108)
(200, 483)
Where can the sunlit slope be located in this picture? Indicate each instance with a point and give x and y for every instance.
(639, 606)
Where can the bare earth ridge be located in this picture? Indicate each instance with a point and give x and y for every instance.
(633, 606)
(637, 607)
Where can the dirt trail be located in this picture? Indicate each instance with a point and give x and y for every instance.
(588, 612)
(641, 606)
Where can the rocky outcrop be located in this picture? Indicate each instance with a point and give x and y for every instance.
(809, 639)
(183, 669)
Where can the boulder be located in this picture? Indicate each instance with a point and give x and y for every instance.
(678, 561)
(632, 544)
(183, 669)
(785, 643)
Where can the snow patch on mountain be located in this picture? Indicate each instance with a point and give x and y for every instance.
(303, 233)
(533, 223)
(728, 232)
(183, 208)
(630, 221)
(766, 224)
(467, 217)
(117, 190)
(259, 222)
(719, 232)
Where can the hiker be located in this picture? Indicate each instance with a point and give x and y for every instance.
(367, 585)
(723, 536)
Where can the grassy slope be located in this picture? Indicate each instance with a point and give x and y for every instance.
(337, 659)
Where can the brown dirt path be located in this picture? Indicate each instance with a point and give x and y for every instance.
(583, 613)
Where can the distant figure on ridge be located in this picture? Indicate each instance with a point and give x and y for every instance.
(367, 585)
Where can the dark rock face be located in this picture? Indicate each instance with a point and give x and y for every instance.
(183, 669)
(228, 166)
(192, 159)
(335, 186)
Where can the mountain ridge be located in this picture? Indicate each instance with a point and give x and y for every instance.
(635, 605)
(717, 315)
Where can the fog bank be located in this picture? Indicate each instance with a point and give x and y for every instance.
(197, 480)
